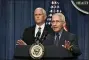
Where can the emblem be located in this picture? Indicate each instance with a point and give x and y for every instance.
(36, 51)
(81, 5)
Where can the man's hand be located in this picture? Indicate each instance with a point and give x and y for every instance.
(20, 42)
(67, 45)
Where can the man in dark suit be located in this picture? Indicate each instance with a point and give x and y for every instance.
(31, 32)
(60, 37)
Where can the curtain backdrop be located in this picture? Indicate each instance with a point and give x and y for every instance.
(16, 15)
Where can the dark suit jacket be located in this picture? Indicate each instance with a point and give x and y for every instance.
(29, 33)
(65, 36)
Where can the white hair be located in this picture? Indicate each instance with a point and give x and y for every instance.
(60, 15)
(44, 12)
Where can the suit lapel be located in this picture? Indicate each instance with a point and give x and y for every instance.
(52, 37)
(63, 38)
(44, 31)
(33, 32)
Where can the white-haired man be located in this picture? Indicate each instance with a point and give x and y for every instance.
(60, 37)
(31, 32)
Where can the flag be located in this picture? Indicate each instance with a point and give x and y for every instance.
(54, 8)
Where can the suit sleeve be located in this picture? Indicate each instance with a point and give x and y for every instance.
(75, 48)
(24, 35)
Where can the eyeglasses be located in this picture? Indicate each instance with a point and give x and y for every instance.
(57, 21)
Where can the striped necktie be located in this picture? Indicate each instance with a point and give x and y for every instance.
(38, 33)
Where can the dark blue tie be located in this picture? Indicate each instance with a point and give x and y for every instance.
(56, 39)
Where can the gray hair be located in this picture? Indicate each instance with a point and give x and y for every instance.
(60, 15)
(44, 12)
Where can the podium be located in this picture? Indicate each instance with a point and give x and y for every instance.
(50, 52)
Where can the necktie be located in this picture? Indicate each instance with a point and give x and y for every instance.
(38, 33)
(56, 39)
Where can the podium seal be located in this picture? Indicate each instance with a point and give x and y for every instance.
(36, 51)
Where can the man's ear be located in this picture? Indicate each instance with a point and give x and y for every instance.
(65, 27)
(64, 24)
(45, 17)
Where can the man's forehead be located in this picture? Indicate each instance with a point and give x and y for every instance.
(56, 17)
(38, 10)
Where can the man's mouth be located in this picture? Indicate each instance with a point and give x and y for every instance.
(54, 27)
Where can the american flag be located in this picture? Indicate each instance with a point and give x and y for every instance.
(54, 8)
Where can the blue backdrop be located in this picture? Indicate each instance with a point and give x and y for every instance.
(16, 15)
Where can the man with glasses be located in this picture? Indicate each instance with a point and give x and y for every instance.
(60, 37)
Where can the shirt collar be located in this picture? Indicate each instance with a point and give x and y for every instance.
(59, 32)
(42, 26)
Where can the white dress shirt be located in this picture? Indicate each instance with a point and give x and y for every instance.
(37, 28)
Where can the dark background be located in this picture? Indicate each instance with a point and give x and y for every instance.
(16, 15)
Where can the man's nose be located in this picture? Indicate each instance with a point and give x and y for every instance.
(54, 23)
(37, 16)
